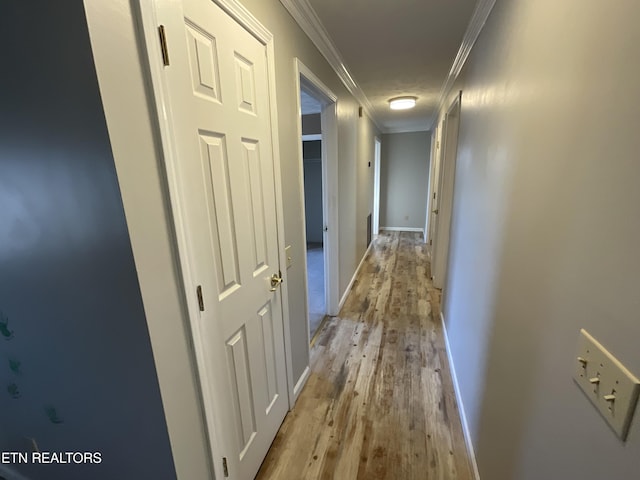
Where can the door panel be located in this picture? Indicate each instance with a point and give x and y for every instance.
(238, 358)
(251, 154)
(215, 173)
(203, 63)
(219, 99)
(245, 84)
(268, 356)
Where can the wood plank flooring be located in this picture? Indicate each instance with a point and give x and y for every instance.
(379, 403)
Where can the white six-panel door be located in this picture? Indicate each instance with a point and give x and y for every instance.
(217, 86)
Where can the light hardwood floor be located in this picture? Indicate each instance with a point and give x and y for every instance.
(379, 403)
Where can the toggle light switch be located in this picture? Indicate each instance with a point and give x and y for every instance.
(598, 371)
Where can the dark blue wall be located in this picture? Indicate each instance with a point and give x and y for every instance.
(76, 366)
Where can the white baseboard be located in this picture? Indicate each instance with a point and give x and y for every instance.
(302, 381)
(353, 279)
(404, 229)
(463, 416)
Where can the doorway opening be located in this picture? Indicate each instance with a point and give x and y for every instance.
(318, 157)
(314, 210)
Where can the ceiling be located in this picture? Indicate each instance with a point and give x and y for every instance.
(399, 47)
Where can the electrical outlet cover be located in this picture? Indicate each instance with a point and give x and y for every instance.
(612, 388)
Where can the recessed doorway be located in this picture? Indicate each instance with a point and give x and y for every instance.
(318, 152)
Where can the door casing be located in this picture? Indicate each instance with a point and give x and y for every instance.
(329, 123)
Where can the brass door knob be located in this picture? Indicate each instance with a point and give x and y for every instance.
(435, 211)
(276, 280)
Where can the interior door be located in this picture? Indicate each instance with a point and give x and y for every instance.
(446, 190)
(217, 84)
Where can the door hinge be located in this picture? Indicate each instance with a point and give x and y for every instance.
(200, 299)
(430, 242)
(225, 469)
(434, 195)
(163, 45)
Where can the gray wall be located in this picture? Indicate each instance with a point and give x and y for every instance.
(545, 234)
(404, 174)
(312, 155)
(68, 283)
(311, 124)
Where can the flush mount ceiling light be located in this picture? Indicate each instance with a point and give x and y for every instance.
(402, 103)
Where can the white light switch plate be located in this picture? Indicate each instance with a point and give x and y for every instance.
(287, 252)
(601, 375)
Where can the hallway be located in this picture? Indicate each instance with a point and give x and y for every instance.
(379, 403)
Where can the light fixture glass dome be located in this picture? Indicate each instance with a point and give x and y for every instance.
(402, 103)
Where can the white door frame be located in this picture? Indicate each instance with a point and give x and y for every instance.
(376, 185)
(148, 16)
(449, 150)
(329, 127)
(428, 227)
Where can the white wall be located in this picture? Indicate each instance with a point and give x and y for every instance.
(68, 283)
(545, 234)
(404, 174)
(365, 173)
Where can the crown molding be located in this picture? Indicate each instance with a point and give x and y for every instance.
(306, 17)
(476, 24)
